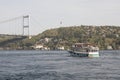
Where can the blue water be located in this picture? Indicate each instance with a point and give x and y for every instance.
(58, 65)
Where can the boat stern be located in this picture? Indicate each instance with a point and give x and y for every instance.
(93, 54)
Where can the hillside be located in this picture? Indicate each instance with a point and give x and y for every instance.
(10, 41)
(103, 36)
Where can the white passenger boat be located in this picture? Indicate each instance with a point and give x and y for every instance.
(84, 50)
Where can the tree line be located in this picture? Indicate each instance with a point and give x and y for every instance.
(102, 36)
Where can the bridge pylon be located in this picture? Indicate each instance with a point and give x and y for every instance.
(25, 25)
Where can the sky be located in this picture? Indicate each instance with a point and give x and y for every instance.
(47, 14)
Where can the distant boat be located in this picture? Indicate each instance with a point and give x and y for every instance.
(84, 50)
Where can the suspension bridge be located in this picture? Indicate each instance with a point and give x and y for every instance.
(14, 29)
(15, 26)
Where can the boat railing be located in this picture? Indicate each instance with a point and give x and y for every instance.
(85, 49)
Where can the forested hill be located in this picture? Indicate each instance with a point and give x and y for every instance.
(103, 36)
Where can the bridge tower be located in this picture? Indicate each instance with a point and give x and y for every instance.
(25, 25)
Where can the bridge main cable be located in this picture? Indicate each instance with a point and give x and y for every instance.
(9, 20)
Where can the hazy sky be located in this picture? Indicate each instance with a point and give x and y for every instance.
(47, 14)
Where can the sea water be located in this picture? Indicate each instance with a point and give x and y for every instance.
(58, 65)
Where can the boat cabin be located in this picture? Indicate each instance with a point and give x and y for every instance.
(84, 47)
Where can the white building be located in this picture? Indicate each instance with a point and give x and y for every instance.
(61, 48)
(109, 47)
(38, 46)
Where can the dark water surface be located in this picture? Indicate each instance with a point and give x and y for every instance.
(58, 65)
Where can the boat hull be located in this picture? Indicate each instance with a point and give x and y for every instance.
(84, 54)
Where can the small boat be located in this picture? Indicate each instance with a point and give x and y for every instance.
(84, 50)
